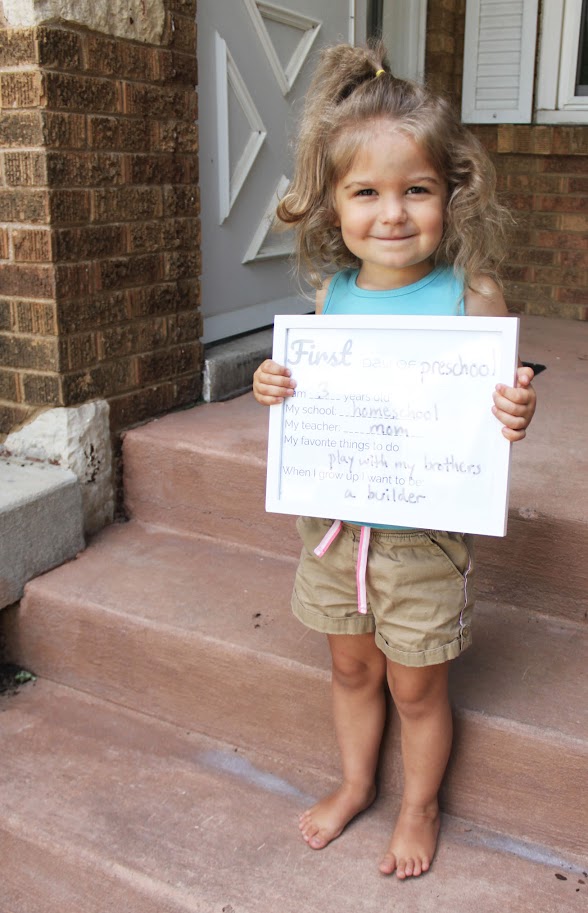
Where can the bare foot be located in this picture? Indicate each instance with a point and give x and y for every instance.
(326, 820)
(413, 842)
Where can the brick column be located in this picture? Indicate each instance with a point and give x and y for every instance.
(99, 228)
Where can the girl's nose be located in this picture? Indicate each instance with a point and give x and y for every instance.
(393, 209)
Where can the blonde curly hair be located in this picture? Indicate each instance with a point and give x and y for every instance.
(344, 100)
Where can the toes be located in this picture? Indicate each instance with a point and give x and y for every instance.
(309, 831)
(317, 842)
(408, 868)
(401, 869)
(388, 864)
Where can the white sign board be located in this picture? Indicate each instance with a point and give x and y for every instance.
(391, 422)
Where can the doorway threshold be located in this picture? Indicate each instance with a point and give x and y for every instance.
(229, 365)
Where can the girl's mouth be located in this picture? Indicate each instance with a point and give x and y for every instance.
(394, 238)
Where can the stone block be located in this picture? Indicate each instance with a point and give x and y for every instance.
(21, 128)
(22, 89)
(59, 49)
(184, 327)
(88, 243)
(6, 316)
(132, 338)
(66, 91)
(118, 58)
(78, 440)
(183, 33)
(93, 312)
(24, 205)
(41, 523)
(137, 20)
(168, 363)
(17, 47)
(72, 280)
(105, 380)
(184, 69)
(13, 414)
(229, 367)
(8, 385)
(36, 317)
(62, 129)
(78, 351)
(24, 280)
(28, 352)
(69, 206)
(41, 389)
(140, 405)
(32, 245)
(126, 204)
(127, 271)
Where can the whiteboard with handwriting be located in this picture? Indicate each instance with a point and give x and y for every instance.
(391, 422)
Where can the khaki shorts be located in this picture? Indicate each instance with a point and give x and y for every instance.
(419, 589)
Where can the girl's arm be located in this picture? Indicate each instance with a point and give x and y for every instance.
(272, 382)
(513, 406)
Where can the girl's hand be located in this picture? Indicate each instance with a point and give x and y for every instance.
(515, 406)
(272, 382)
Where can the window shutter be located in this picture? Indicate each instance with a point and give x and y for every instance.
(499, 61)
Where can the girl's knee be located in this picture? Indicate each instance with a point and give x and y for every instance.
(355, 666)
(417, 691)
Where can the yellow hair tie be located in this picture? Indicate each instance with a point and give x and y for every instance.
(379, 73)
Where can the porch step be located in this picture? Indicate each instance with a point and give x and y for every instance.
(104, 809)
(200, 635)
(41, 522)
(171, 777)
(203, 472)
(229, 366)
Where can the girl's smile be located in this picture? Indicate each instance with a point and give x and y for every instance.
(390, 208)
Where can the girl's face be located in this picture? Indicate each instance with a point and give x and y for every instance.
(390, 208)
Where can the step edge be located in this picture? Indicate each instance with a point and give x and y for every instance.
(491, 838)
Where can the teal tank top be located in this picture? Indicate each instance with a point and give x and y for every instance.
(439, 294)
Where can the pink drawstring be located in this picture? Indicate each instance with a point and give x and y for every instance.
(362, 556)
(364, 544)
(328, 540)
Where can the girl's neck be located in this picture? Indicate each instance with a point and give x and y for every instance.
(374, 278)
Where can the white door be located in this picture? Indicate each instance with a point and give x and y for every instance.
(255, 61)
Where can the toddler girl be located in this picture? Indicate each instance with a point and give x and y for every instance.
(394, 196)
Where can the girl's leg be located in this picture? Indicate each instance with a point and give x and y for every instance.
(422, 701)
(359, 709)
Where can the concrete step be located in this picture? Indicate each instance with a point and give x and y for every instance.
(229, 366)
(203, 471)
(103, 809)
(201, 635)
(41, 522)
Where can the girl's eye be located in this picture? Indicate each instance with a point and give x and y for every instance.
(417, 190)
(366, 192)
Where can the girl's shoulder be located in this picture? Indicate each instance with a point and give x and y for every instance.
(327, 288)
(484, 298)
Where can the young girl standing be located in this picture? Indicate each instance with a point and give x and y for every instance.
(394, 193)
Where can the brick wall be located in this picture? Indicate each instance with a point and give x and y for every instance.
(99, 229)
(542, 177)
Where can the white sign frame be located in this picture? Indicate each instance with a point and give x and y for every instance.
(391, 422)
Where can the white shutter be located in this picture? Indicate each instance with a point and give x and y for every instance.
(499, 61)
